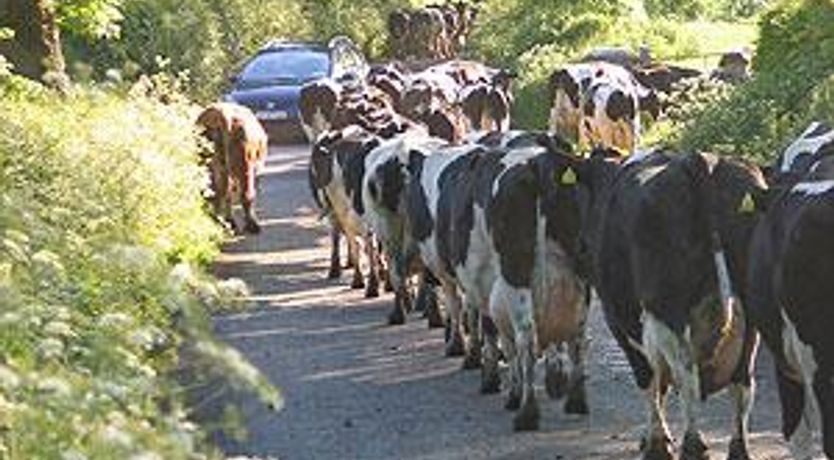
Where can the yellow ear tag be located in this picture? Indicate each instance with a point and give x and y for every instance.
(747, 204)
(568, 177)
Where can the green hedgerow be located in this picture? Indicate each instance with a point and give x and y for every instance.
(101, 223)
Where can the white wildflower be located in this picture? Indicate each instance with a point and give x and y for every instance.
(134, 258)
(54, 386)
(233, 287)
(115, 320)
(181, 274)
(73, 455)
(147, 455)
(12, 318)
(50, 348)
(59, 329)
(114, 435)
(9, 379)
(148, 338)
(48, 263)
(114, 390)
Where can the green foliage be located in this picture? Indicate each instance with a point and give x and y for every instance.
(506, 30)
(364, 21)
(710, 9)
(91, 19)
(101, 220)
(794, 63)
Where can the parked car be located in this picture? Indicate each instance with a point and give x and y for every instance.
(270, 82)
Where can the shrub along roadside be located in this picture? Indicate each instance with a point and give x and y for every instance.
(101, 224)
(792, 86)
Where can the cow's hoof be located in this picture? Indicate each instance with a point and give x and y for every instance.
(357, 283)
(555, 382)
(490, 382)
(372, 290)
(454, 347)
(576, 405)
(527, 419)
(738, 450)
(657, 449)
(334, 273)
(396, 317)
(252, 226)
(435, 319)
(472, 360)
(387, 285)
(513, 401)
(694, 447)
(232, 226)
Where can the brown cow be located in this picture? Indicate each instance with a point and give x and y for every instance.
(240, 144)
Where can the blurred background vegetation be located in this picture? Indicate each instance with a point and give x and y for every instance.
(103, 233)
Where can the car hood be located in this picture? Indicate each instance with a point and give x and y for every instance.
(268, 98)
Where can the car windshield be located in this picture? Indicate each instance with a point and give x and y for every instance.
(285, 67)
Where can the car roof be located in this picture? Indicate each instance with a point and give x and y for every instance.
(281, 45)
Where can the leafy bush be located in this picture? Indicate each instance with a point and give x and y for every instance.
(794, 62)
(101, 218)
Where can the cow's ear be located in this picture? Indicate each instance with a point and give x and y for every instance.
(763, 198)
(554, 143)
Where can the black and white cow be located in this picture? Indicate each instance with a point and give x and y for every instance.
(598, 104)
(792, 290)
(337, 166)
(668, 236)
(494, 225)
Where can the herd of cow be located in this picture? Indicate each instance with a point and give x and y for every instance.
(432, 32)
(693, 256)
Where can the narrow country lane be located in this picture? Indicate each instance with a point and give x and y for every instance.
(358, 389)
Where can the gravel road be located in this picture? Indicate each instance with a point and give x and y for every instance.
(358, 389)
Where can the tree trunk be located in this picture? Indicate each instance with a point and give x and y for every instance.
(35, 49)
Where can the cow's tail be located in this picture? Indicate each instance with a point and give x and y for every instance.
(702, 170)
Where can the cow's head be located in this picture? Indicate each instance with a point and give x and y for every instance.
(399, 24)
(566, 198)
(416, 101)
(321, 158)
(443, 124)
(649, 102)
(391, 87)
(562, 80)
(595, 177)
(316, 104)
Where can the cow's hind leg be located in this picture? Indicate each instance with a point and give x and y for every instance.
(452, 300)
(795, 426)
(427, 299)
(248, 192)
(656, 338)
(577, 402)
(358, 281)
(742, 390)
(824, 390)
(472, 358)
(335, 264)
(657, 445)
(519, 302)
(742, 394)
(372, 289)
(678, 354)
(490, 377)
